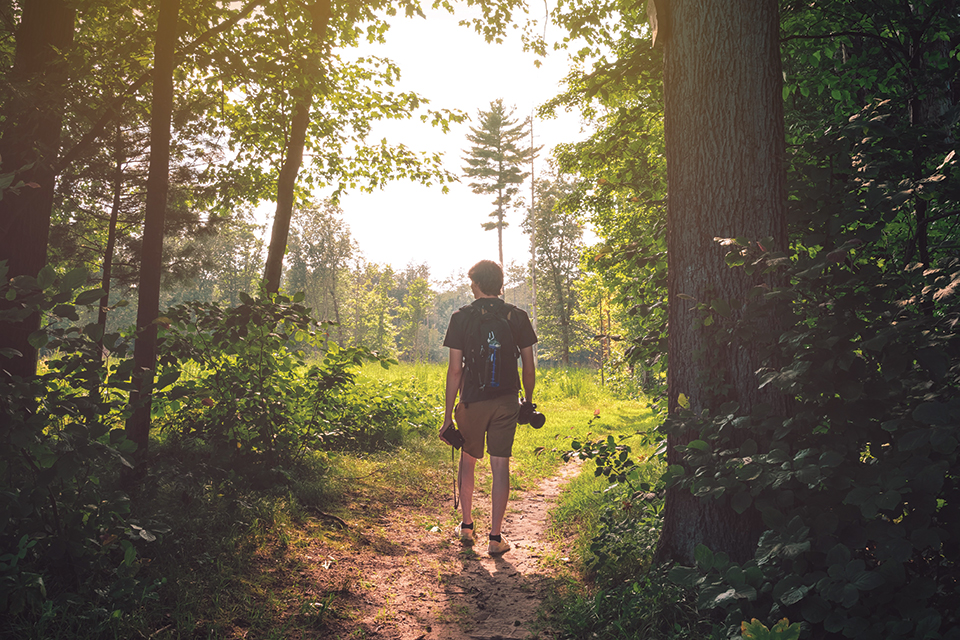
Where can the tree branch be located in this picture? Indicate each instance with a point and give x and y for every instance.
(823, 36)
(114, 106)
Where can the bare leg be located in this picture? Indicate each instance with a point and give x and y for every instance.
(468, 465)
(500, 493)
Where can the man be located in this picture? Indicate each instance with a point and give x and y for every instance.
(488, 413)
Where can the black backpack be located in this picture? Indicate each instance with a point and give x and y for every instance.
(490, 353)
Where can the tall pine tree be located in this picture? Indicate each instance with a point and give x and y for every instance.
(495, 162)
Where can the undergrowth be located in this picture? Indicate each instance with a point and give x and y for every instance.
(608, 519)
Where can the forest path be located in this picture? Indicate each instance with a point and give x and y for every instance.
(402, 581)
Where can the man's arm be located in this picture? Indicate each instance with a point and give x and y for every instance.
(528, 374)
(454, 375)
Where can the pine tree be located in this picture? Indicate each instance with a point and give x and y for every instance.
(495, 161)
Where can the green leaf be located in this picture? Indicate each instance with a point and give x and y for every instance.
(741, 502)
(790, 589)
(774, 519)
(749, 472)
(73, 279)
(831, 459)
(734, 259)
(913, 440)
(867, 580)
(783, 630)
(94, 331)
(89, 296)
(168, 378)
(46, 277)
(703, 557)
(129, 552)
(860, 495)
(38, 339)
(834, 621)
(686, 576)
(932, 413)
(720, 306)
(888, 499)
(815, 609)
(699, 445)
(754, 630)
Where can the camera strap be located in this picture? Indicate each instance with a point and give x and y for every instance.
(457, 480)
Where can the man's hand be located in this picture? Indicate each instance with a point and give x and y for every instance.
(443, 426)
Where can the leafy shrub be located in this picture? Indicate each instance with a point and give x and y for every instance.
(782, 630)
(858, 486)
(649, 606)
(631, 514)
(68, 540)
(254, 393)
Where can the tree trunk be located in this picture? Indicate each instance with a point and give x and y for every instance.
(533, 243)
(33, 118)
(287, 180)
(725, 147)
(286, 184)
(111, 236)
(158, 181)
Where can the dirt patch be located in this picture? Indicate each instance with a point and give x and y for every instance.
(399, 580)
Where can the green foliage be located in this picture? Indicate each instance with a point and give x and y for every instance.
(557, 233)
(631, 515)
(647, 606)
(621, 175)
(69, 541)
(254, 394)
(782, 630)
(857, 485)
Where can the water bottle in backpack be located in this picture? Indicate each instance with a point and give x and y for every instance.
(492, 369)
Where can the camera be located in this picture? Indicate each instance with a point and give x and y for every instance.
(529, 415)
(452, 436)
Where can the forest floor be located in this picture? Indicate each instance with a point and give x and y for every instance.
(394, 576)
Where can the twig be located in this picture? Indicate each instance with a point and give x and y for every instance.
(328, 516)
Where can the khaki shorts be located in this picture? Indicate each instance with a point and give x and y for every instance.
(496, 419)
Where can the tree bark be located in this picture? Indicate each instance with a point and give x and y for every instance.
(287, 180)
(286, 184)
(725, 168)
(33, 118)
(111, 235)
(158, 182)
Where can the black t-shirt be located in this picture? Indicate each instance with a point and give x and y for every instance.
(523, 335)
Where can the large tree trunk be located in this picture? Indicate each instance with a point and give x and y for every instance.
(33, 117)
(725, 146)
(158, 181)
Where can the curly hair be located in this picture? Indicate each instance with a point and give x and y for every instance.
(487, 275)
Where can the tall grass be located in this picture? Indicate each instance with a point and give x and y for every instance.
(575, 405)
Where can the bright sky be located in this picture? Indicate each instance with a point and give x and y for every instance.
(454, 68)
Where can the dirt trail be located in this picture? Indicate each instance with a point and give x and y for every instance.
(404, 582)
